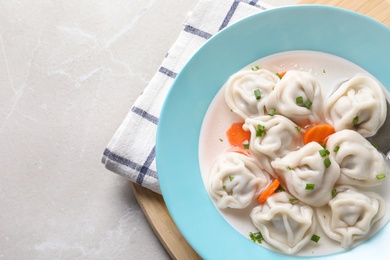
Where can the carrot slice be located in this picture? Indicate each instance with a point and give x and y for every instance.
(318, 133)
(269, 191)
(281, 74)
(237, 135)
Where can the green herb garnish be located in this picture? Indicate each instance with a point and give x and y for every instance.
(256, 237)
(272, 112)
(299, 100)
(355, 121)
(257, 94)
(260, 130)
(255, 68)
(308, 104)
(336, 149)
(315, 238)
(334, 193)
(310, 186)
(280, 188)
(324, 152)
(327, 162)
(380, 176)
(231, 178)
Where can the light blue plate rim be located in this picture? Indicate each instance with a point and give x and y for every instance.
(332, 30)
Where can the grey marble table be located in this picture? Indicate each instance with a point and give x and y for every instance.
(69, 72)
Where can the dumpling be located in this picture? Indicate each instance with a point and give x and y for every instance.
(358, 104)
(272, 137)
(307, 174)
(246, 91)
(297, 96)
(235, 180)
(350, 215)
(284, 224)
(360, 163)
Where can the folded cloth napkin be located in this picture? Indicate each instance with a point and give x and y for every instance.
(131, 151)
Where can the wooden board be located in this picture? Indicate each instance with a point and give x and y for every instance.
(377, 9)
(153, 204)
(165, 229)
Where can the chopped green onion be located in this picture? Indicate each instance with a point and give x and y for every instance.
(246, 145)
(277, 74)
(323, 71)
(255, 68)
(260, 130)
(298, 128)
(221, 140)
(272, 112)
(324, 152)
(380, 176)
(315, 238)
(336, 149)
(256, 237)
(299, 100)
(292, 200)
(257, 94)
(280, 188)
(224, 187)
(231, 178)
(309, 186)
(327, 162)
(289, 168)
(334, 193)
(308, 104)
(355, 121)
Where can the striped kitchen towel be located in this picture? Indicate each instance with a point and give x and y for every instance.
(131, 151)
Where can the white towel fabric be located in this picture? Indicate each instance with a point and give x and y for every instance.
(131, 151)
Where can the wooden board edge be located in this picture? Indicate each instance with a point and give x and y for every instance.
(156, 212)
(376, 9)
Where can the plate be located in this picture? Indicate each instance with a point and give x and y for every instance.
(332, 30)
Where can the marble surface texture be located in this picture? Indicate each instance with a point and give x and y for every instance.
(69, 72)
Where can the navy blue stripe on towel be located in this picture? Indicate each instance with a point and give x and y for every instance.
(167, 72)
(195, 31)
(144, 169)
(233, 8)
(229, 15)
(145, 115)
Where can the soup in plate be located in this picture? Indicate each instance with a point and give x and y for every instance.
(284, 156)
